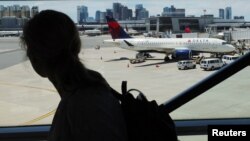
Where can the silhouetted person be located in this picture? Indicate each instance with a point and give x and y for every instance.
(87, 110)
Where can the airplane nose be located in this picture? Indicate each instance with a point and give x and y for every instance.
(231, 48)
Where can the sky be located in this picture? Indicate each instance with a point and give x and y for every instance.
(193, 7)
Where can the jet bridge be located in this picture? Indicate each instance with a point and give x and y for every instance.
(236, 35)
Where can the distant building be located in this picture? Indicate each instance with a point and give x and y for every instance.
(109, 12)
(121, 12)
(8, 11)
(140, 12)
(97, 16)
(103, 17)
(179, 13)
(25, 11)
(126, 14)
(34, 11)
(100, 17)
(15, 16)
(239, 17)
(116, 11)
(225, 13)
(173, 12)
(222, 13)
(90, 20)
(138, 8)
(228, 13)
(1, 10)
(167, 11)
(16, 11)
(143, 14)
(82, 14)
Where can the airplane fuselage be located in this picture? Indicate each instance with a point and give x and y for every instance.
(168, 45)
(93, 32)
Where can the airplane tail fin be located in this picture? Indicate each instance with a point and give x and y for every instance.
(116, 31)
(187, 30)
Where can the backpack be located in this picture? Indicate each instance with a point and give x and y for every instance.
(145, 120)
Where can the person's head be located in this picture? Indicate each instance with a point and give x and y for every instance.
(50, 38)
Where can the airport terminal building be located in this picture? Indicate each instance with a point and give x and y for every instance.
(174, 24)
(163, 24)
(196, 24)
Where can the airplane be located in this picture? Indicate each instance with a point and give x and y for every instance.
(178, 48)
(10, 33)
(93, 32)
(131, 31)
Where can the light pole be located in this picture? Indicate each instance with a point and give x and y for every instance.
(204, 11)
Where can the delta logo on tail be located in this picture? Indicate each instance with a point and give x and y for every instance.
(115, 29)
(187, 30)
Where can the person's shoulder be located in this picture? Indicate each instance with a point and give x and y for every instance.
(90, 95)
(95, 73)
(91, 102)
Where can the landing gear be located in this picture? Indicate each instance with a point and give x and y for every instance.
(166, 59)
(140, 57)
(173, 57)
(148, 55)
(143, 54)
(138, 60)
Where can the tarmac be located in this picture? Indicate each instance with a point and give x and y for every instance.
(27, 99)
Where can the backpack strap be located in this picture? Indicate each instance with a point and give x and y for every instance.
(124, 87)
(117, 94)
(140, 95)
(124, 90)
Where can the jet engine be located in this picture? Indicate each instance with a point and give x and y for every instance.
(182, 54)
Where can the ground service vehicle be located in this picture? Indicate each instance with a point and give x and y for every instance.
(226, 59)
(186, 64)
(211, 63)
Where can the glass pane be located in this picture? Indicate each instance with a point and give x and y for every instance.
(229, 99)
(27, 99)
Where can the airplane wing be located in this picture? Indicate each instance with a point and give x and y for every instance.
(128, 43)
